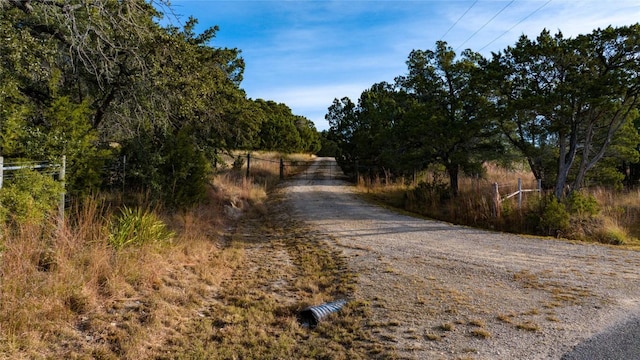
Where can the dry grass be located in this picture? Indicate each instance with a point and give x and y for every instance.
(528, 326)
(65, 293)
(481, 333)
(506, 318)
(447, 327)
(432, 337)
(255, 316)
(617, 224)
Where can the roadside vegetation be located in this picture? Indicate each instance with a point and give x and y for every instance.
(599, 214)
(559, 112)
(133, 282)
(154, 125)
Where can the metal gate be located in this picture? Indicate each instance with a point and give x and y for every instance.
(314, 170)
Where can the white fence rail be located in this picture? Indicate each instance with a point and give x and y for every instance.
(498, 199)
(60, 169)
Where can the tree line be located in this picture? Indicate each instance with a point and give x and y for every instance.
(569, 106)
(95, 80)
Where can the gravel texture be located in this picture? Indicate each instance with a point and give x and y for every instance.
(440, 291)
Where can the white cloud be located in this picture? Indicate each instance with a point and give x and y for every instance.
(306, 53)
(570, 17)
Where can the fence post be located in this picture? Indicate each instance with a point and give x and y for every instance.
(281, 169)
(124, 172)
(248, 164)
(62, 196)
(539, 185)
(496, 200)
(519, 193)
(1, 170)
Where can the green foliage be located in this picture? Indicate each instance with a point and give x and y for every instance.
(566, 104)
(554, 217)
(169, 167)
(451, 98)
(29, 196)
(434, 115)
(428, 194)
(284, 132)
(309, 136)
(570, 101)
(136, 227)
(144, 160)
(65, 130)
(13, 115)
(185, 171)
(64, 93)
(623, 150)
(582, 205)
(328, 146)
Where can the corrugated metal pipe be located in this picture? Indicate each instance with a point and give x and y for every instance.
(311, 316)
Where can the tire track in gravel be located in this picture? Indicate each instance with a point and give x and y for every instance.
(440, 291)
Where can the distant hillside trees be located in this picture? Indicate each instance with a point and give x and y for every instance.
(567, 105)
(283, 131)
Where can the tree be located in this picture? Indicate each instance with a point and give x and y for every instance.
(198, 86)
(566, 100)
(328, 147)
(378, 113)
(64, 66)
(278, 131)
(309, 136)
(344, 125)
(378, 133)
(96, 78)
(450, 97)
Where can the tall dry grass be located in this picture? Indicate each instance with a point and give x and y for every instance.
(618, 221)
(66, 293)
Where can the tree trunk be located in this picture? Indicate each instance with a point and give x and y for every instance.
(453, 170)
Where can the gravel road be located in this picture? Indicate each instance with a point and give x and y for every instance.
(440, 291)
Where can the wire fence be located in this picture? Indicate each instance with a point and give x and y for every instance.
(115, 174)
(7, 172)
(114, 170)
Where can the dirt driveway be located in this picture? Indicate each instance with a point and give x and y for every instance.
(440, 291)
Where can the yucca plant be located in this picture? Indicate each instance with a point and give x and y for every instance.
(135, 227)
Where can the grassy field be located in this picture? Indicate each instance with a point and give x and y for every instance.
(187, 285)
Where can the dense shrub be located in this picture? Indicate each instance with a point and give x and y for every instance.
(185, 171)
(169, 167)
(29, 197)
(554, 217)
(433, 193)
(582, 205)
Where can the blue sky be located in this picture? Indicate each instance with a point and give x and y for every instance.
(306, 53)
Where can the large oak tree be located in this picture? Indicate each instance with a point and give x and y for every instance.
(565, 102)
